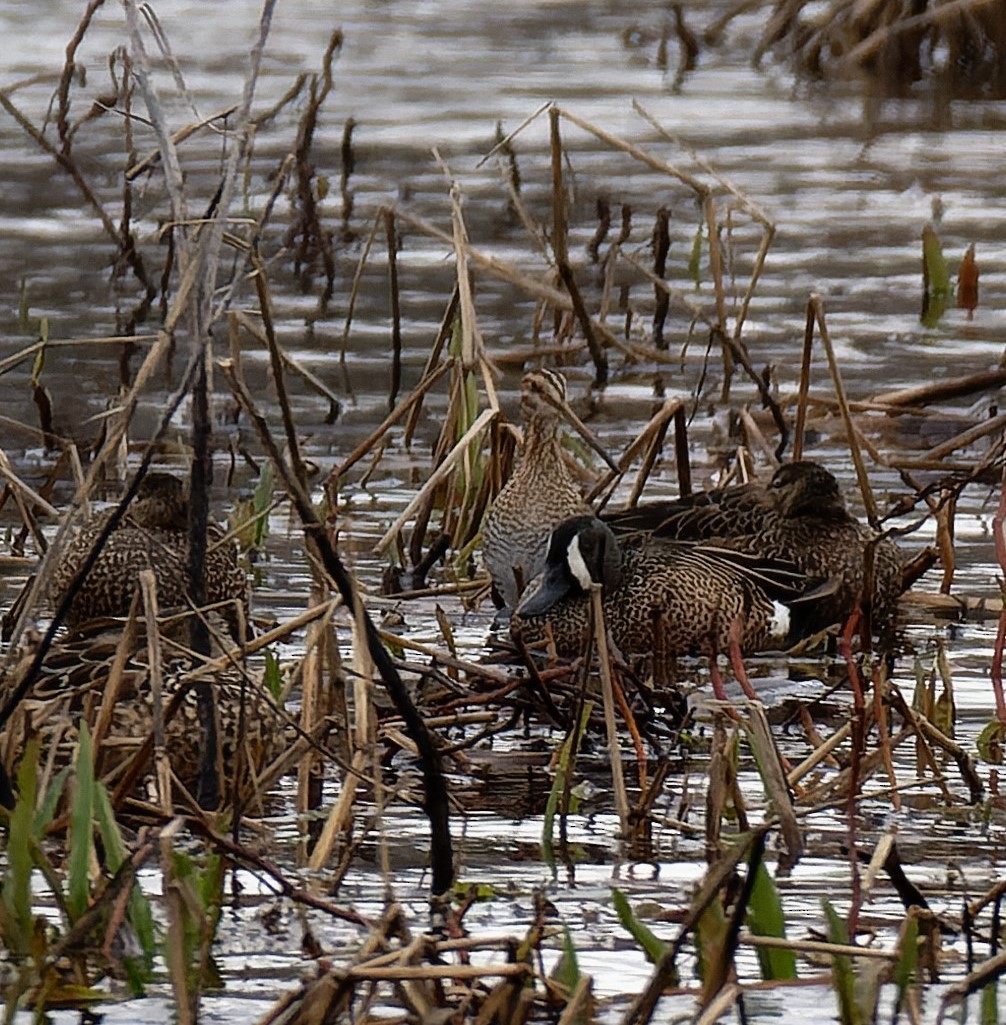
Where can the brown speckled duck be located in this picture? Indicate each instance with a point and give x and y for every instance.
(682, 598)
(799, 516)
(153, 534)
(101, 674)
(540, 494)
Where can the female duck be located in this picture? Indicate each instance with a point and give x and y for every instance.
(800, 517)
(152, 535)
(541, 492)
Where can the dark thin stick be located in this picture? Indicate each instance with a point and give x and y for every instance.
(63, 92)
(256, 861)
(560, 244)
(436, 800)
(801, 402)
(276, 363)
(396, 307)
(208, 792)
(681, 456)
(661, 246)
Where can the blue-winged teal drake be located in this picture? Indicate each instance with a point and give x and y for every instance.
(699, 597)
(154, 535)
(800, 517)
(540, 494)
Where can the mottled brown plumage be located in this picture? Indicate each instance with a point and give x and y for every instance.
(77, 673)
(697, 597)
(800, 516)
(153, 534)
(540, 493)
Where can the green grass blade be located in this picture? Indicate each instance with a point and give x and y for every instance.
(652, 945)
(140, 916)
(843, 978)
(570, 746)
(567, 969)
(16, 919)
(766, 918)
(81, 829)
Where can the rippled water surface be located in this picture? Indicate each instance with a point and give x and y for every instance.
(848, 185)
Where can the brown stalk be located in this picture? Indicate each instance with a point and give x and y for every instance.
(560, 241)
(944, 389)
(777, 790)
(801, 405)
(354, 293)
(928, 735)
(312, 379)
(816, 304)
(667, 415)
(993, 425)
(880, 705)
(162, 768)
(433, 364)
(858, 747)
(610, 723)
(998, 527)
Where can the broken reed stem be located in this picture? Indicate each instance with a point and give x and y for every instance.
(162, 767)
(858, 747)
(818, 755)
(671, 409)
(880, 705)
(459, 452)
(560, 239)
(472, 347)
(433, 365)
(276, 363)
(852, 435)
(354, 291)
(804, 390)
(410, 402)
(610, 723)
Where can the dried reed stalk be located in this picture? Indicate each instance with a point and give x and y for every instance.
(162, 767)
(610, 723)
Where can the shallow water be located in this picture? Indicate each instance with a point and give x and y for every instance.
(848, 184)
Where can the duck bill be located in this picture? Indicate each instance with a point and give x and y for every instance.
(584, 431)
(548, 588)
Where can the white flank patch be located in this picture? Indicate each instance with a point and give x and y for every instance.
(779, 626)
(574, 557)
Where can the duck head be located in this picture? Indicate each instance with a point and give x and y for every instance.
(804, 488)
(581, 551)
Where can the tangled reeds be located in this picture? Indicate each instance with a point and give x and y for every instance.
(953, 48)
(621, 303)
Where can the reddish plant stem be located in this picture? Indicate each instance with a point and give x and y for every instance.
(997, 657)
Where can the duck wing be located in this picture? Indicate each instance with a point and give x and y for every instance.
(720, 513)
